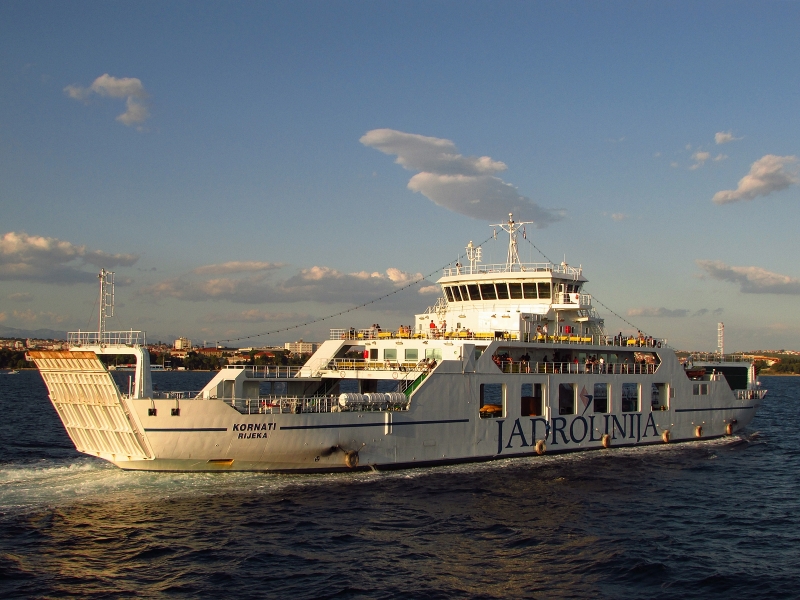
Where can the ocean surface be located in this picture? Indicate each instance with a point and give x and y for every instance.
(709, 519)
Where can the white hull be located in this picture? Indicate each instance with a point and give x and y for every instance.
(441, 423)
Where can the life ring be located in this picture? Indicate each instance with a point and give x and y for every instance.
(351, 459)
(729, 429)
(606, 440)
(541, 447)
(665, 436)
(698, 431)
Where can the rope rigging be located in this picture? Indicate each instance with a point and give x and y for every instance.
(349, 310)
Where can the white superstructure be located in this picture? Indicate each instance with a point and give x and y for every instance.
(512, 360)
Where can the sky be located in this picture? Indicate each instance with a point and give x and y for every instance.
(263, 167)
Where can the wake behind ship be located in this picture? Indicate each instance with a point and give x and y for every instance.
(512, 360)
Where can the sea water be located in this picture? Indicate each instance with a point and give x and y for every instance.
(706, 519)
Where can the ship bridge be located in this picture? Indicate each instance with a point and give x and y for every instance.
(513, 298)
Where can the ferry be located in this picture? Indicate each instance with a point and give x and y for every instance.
(512, 360)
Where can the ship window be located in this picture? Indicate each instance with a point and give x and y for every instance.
(630, 397)
(412, 354)
(433, 353)
(449, 294)
(493, 400)
(464, 294)
(531, 400)
(544, 289)
(659, 398)
(600, 400)
(502, 291)
(373, 354)
(566, 399)
(487, 291)
(700, 389)
(515, 291)
(456, 293)
(529, 289)
(474, 294)
(390, 354)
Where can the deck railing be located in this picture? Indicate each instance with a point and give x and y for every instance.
(481, 269)
(108, 338)
(528, 338)
(577, 368)
(268, 371)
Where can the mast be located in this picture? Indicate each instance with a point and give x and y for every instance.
(512, 228)
(106, 301)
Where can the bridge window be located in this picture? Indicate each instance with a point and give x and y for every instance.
(449, 294)
(531, 403)
(474, 294)
(487, 291)
(412, 354)
(630, 397)
(544, 289)
(464, 293)
(492, 400)
(566, 399)
(529, 289)
(502, 291)
(600, 399)
(456, 293)
(515, 291)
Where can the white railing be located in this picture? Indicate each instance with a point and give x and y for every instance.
(360, 364)
(750, 394)
(268, 371)
(302, 405)
(577, 368)
(108, 338)
(715, 357)
(574, 272)
(573, 298)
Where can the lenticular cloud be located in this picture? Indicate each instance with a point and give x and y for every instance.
(464, 184)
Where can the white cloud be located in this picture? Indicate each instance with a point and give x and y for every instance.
(28, 257)
(657, 312)
(20, 297)
(618, 216)
(752, 280)
(768, 174)
(29, 316)
(130, 88)
(725, 137)
(720, 157)
(315, 284)
(251, 316)
(462, 184)
(236, 267)
(700, 157)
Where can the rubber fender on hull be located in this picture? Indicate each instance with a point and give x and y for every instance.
(698, 431)
(351, 458)
(541, 447)
(606, 440)
(665, 436)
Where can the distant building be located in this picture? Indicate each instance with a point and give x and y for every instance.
(302, 347)
(183, 344)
